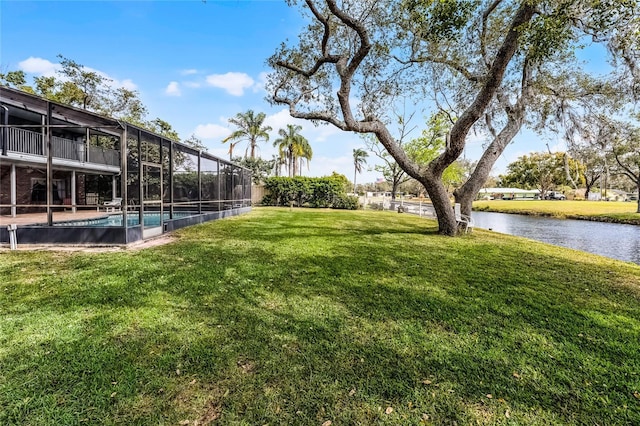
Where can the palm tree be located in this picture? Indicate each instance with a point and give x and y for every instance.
(359, 160)
(231, 146)
(293, 146)
(302, 153)
(278, 162)
(250, 128)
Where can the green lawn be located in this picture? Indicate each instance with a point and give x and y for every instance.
(309, 316)
(606, 211)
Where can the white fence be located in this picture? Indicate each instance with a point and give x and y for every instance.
(420, 208)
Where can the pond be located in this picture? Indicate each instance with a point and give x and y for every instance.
(617, 241)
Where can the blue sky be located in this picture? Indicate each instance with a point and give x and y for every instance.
(194, 63)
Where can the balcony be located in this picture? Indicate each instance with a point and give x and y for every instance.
(27, 142)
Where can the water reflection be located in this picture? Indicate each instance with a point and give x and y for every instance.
(613, 240)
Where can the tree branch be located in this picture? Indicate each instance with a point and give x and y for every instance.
(483, 32)
(491, 84)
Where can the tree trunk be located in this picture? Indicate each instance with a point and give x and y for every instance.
(638, 189)
(588, 183)
(253, 149)
(431, 180)
(468, 191)
(447, 224)
(291, 170)
(355, 173)
(587, 191)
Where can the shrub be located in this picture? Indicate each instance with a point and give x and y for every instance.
(345, 202)
(305, 191)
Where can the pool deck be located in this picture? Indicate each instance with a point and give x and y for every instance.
(35, 218)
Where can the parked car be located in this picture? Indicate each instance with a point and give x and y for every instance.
(554, 195)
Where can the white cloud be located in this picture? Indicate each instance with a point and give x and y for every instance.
(192, 84)
(280, 119)
(211, 131)
(324, 166)
(127, 84)
(233, 82)
(113, 82)
(173, 89)
(44, 67)
(219, 150)
(261, 83)
(189, 72)
(39, 66)
(310, 131)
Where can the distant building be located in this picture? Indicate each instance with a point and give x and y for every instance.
(508, 194)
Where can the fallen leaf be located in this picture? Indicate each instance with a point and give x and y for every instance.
(352, 392)
(113, 394)
(193, 382)
(327, 423)
(489, 396)
(516, 375)
(389, 410)
(426, 382)
(636, 394)
(178, 371)
(507, 414)
(502, 400)
(114, 383)
(185, 422)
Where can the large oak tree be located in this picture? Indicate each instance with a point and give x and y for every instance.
(355, 59)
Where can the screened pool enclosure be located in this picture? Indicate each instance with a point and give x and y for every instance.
(69, 176)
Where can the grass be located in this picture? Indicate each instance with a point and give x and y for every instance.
(609, 211)
(306, 316)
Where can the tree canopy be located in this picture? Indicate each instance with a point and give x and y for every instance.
(293, 148)
(250, 128)
(359, 160)
(539, 170)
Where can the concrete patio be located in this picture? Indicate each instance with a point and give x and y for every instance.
(34, 218)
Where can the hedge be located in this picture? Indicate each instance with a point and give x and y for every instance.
(308, 192)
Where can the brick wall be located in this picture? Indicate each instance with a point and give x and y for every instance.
(24, 185)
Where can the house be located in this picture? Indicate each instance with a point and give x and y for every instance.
(60, 166)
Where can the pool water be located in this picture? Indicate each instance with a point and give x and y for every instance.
(150, 220)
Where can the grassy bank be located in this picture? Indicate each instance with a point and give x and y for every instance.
(604, 211)
(305, 317)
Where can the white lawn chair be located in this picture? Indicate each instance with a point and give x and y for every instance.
(113, 205)
(463, 219)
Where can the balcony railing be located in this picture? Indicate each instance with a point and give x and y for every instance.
(25, 141)
(28, 142)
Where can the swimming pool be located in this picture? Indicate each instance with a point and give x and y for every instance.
(151, 219)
